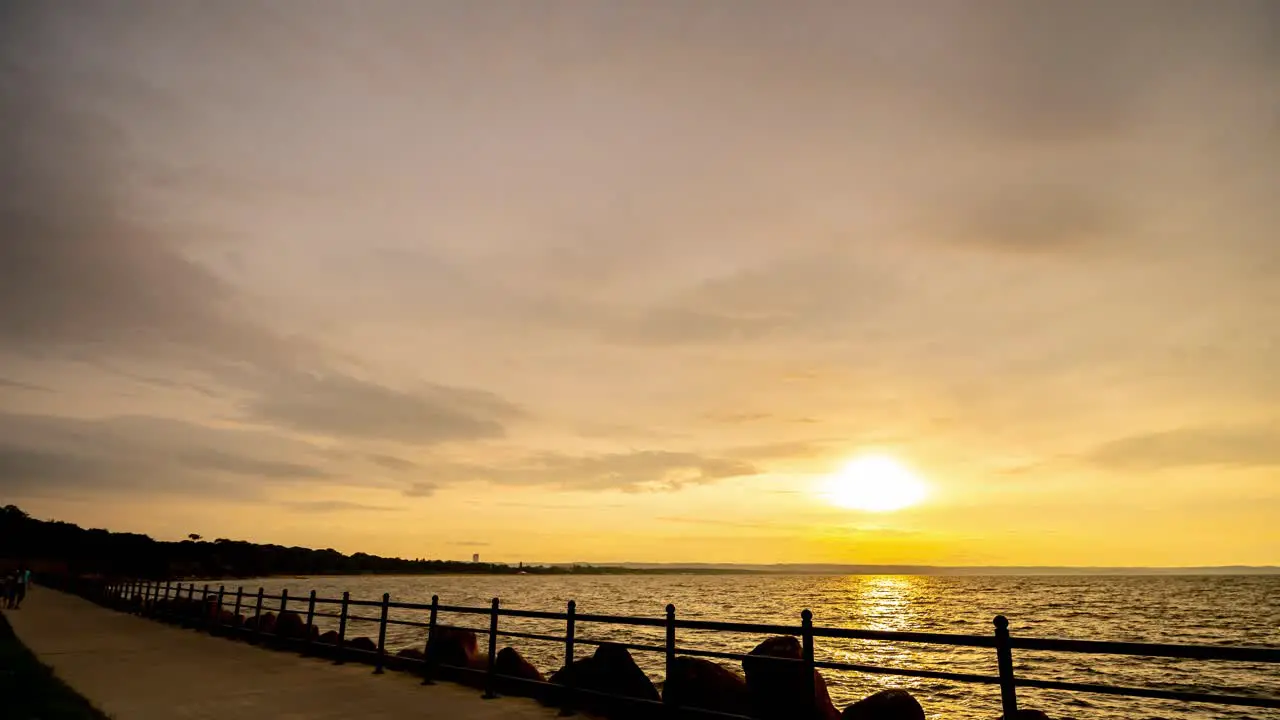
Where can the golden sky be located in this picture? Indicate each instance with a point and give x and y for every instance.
(605, 281)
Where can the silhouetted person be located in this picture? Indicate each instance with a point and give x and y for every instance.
(10, 587)
(22, 579)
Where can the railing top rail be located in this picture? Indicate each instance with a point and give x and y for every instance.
(1187, 652)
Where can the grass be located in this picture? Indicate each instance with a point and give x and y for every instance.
(30, 691)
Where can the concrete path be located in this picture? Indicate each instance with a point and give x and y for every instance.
(138, 669)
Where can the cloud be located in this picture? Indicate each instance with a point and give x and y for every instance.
(329, 506)
(679, 326)
(80, 271)
(469, 543)
(1022, 217)
(19, 385)
(1240, 446)
(638, 471)
(208, 459)
(51, 455)
(390, 462)
(421, 489)
(344, 406)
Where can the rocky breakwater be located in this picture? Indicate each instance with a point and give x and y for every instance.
(597, 682)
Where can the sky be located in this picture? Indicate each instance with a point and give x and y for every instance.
(605, 281)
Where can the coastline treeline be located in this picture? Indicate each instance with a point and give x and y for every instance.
(62, 547)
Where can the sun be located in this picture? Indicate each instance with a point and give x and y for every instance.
(875, 483)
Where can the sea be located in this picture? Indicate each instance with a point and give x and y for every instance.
(1210, 610)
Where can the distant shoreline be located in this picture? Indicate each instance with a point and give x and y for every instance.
(862, 570)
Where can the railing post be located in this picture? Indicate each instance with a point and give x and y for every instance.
(806, 649)
(257, 617)
(427, 669)
(490, 677)
(311, 621)
(569, 698)
(342, 628)
(236, 612)
(193, 615)
(168, 607)
(382, 635)
(204, 609)
(670, 656)
(1004, 661)
(284, 603)
(217, 614)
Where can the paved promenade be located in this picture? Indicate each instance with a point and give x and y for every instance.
(137, 669)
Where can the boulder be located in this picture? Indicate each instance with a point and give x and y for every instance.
(290, 625)
(266, 623)
(411, 654)
(706, 685)
(329, 638)
(510, 663)
(363, 644)
(886, 705)
(780, 690)
(455, 647)
(610, 671)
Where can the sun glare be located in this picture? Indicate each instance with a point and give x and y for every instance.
(875, 483)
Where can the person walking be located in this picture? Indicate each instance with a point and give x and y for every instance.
(9, 586)
(21, 581)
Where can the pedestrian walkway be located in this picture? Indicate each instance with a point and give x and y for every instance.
(137, 669)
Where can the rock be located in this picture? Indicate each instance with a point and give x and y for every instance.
(706, 685)
(455, 647)
(612, 671)
(363, 644)
(411, 654)
(267, 623)
(329, 638)
(290, 625)
(887, 705)
(780, 690)
(510, 663)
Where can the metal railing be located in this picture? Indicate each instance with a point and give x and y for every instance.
(151, 597)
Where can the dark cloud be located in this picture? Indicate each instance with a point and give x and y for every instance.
(391, 462)
(228, 462)
(1243, 446)
(421, 489)
(345, 406)
(51, 455)
(1035, 218)
(19, 385)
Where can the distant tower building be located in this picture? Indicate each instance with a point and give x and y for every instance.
(475, 557)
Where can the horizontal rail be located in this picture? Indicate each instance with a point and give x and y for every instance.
(462, 609)
(1239, 700)
(629, 646)
(1187, 652)
(537, 614)
(908, 672)
(530, 636)
(410, 623)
